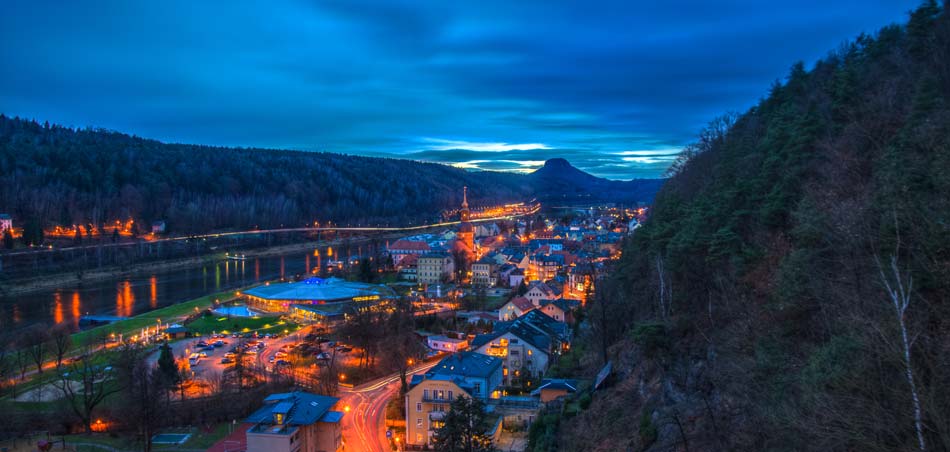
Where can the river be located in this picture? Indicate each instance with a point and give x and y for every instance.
(128, 296)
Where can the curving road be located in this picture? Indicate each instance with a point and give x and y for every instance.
(364, 426)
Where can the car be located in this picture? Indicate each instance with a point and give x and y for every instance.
(261, 345)
(218, 343)
(331, 344)
(252, 352)
(271, 359)
(310, 337)
(230, 355)
(209, 348)
(201, 344)
(203, 354)
(344, 349)
(226, 360)
(323, 356)
(281, 363)
(281, 354)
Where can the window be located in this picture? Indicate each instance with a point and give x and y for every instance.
(418, 422)
(450, 396)
(418, 437)
(425, 394)
(478, 388)
(419, 407)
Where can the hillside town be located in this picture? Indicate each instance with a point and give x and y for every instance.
(478, 312)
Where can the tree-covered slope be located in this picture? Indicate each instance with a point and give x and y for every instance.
(57, 175)
(761, 293)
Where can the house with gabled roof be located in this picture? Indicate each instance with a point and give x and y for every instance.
(514, 308)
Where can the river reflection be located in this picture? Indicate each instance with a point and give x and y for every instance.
(134, 295)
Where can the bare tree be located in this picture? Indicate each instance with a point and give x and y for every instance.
(62, 341)
(900, 289)
(35, 340)
(85, 385)
(143, 404)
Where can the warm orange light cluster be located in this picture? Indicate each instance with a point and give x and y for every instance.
(87, 230)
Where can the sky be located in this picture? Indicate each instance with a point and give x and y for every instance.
(615, 87)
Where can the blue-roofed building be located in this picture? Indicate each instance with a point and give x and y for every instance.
(334, 296)
(296, 421)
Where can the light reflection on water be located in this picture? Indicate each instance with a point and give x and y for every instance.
(129, 296)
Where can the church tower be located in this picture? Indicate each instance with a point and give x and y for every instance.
(466, 233)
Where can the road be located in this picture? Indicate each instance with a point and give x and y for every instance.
(364, 426)
(533, 210)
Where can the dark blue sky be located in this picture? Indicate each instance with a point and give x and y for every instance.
(617, 88)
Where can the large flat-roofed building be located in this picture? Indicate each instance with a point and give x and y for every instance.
(296, 421)
(283, 297)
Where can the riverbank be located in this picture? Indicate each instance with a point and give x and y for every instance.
(55, 280)
(167, 315)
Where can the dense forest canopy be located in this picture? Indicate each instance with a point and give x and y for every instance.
(790, 291)
(58, 175)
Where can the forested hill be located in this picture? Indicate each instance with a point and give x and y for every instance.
(761, 293)
(57, 175)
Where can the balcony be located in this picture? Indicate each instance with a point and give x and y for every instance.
(436, 415)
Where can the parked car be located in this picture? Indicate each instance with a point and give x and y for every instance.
(323, 356)
(201, 344)
(226, 360)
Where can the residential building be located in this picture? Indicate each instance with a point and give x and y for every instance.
(158, 227)
(434, 268)
(515, 277)
(543, 267)
(6, 222)
(487, 230)
(409, 267)
(539, 291)
(483, 272)
(296, 422)
(514, 308)
(524, 349)
(560, 310)
(445, 343)
(430, 396)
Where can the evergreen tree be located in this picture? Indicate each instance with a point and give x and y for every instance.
(464, 429)
(166, 364)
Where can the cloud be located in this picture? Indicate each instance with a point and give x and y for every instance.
(617, 87)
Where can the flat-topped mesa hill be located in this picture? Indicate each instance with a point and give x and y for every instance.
(559, 180)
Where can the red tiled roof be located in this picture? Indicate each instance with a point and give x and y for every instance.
(409, 245)
(522, 304)
(409, 260)
(236, 441)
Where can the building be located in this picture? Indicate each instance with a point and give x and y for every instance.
(444, 343)
(434, 268)
(543, 267)
(561, 310)
(6, 222)
(539, 291)
(158, 227)
(524, 349)
(483, 272)
(515, 277)
(430, 396)
(514, 308)
(282, 297)
(554, 388)
(402, 248)
(409, 267)
(465, 238)
(296, 421)
(487, 230)
(176, 331)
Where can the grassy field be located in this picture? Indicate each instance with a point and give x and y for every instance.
(219, 324)
(167, 314)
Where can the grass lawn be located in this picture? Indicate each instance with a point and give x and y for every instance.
(220, 324)
(135, 324)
